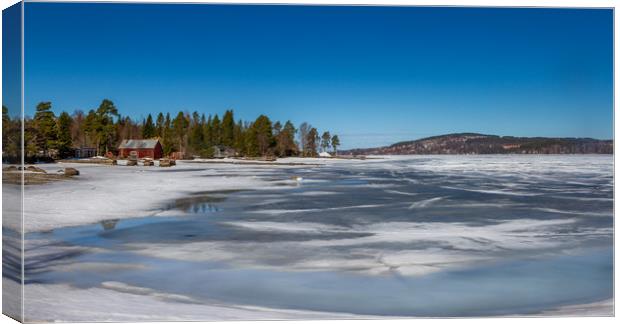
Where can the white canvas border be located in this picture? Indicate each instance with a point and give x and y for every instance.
(491, 3)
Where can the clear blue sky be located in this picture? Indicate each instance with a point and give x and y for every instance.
(374, 75)
(11, 59)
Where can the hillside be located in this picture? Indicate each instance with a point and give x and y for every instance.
(473, 143)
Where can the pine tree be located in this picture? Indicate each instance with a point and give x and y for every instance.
(239, 135)
(335, 143)
(325, 141)
(159, 126)
(277, 128)
(216, 130)
(91, 127)
(45, 127)
(312, 140)
(285, 140)
(259, 138)
(180, 125)
(30, 139)
(228, 129)
(64, 143)
(208, 132)
(196, 137)
(288, 132)
(206, 149)
(148, 130)
(11, 136)
(168, 138)
(250, 146)
(105, 129)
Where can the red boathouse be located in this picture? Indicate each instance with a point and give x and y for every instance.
(149, 148)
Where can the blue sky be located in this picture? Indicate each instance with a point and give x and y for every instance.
(374, 75)
(11, 59)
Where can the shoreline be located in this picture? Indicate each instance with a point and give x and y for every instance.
(101, 192)
(249, 162)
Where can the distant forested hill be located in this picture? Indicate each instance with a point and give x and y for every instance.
(473, 143)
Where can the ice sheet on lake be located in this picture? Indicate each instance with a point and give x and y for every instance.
(425, 247)
(397, 216)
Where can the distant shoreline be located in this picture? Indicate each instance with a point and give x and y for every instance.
(479, 144)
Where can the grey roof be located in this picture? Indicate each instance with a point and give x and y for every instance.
(138, 144)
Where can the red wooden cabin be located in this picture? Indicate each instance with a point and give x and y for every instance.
(149, 148)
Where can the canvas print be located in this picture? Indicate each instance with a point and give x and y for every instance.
(205, 162)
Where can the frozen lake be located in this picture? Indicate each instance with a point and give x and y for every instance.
(403, 236)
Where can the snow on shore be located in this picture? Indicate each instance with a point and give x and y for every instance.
(115, 301)
(103, 192)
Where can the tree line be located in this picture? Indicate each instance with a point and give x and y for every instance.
(48, 136)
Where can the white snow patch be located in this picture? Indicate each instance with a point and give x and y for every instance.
(600, 308)
(425, 203)
(291, 227)
(111, 192)
(307, 210)
(314, 193)
(401, 193)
